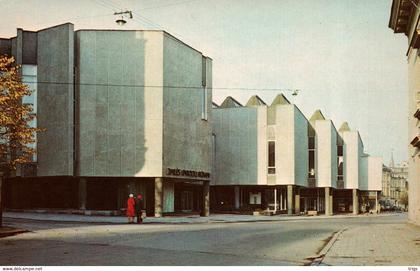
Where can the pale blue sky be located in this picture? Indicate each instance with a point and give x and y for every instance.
(340, 53)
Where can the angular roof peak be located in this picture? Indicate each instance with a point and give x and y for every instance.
(317, 115)
(344, 127)
(230, 102)
(255, 101)
(280, 100)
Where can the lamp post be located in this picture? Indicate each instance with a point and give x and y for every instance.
(295, 92)
(121, 21)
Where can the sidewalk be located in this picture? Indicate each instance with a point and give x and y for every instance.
(376, 244)
(214, 218)
(9, 231)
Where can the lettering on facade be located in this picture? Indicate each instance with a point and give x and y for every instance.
(187, 173)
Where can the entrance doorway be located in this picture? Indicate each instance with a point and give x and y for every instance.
(186, 201)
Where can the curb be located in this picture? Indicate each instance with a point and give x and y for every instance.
(209, 221)
(11, 232)
(317, 260)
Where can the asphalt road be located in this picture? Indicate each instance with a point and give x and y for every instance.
(254, 243)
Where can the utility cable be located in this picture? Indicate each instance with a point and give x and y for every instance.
(156, 86)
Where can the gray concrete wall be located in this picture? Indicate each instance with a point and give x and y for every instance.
(291, 132)
(262, 145)
(371, 176)
(186, 136)
(364, 171)
(55, 57)
(301, 147)
(353, 162)
(29, 47)
(284, 133)
(236, 146)
(120, 103)
(17, 46)
(326, 153)
(5, 47)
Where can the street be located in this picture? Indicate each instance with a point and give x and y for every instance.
(251, 243)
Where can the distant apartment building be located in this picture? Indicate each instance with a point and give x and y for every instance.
(404, 18)
(273, 157)
(394, 183)
(123, 112)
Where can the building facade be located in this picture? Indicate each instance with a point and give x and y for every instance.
(123, 112)
(404, 18)
(395, 185)
(273, 158)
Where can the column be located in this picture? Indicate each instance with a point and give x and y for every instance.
(297, 201)
(275, 200)
(158, 196)
(355, 202)
(237, 205)
(290, 199)
(281, 199)
(82, 193)
(205, 210)
(331, 201)
(327, 204)
(376, 202)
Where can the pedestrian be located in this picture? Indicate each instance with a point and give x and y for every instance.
(139, 208)
(131, 208)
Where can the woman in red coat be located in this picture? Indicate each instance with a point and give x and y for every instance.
(131, 208)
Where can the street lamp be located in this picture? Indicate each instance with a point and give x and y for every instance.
(121, 21)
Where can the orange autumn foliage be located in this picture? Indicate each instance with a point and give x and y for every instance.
(15, 133)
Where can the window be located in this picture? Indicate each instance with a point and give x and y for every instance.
(254, 197)
(339, 150)
(311, 157)
(311, 163)
(311, 143)
(340, 163)
(204, 106)
(271, 157)
(29, 77)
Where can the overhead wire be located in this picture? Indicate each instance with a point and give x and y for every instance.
(168, 5)
(141, 19)
(159, 86)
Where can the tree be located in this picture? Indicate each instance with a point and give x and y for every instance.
(404, 199)
(16, 135)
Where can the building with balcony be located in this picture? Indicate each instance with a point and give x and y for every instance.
(404, 18)
(123, 112)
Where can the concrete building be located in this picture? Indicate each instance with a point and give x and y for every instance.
(323, 165)
(362, 173)
(404, 18)
(260, 155)
(124, 112)
(272, 157)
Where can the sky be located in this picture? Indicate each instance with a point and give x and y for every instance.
(340, 54)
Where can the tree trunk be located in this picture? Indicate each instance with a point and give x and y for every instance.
(1, 199)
